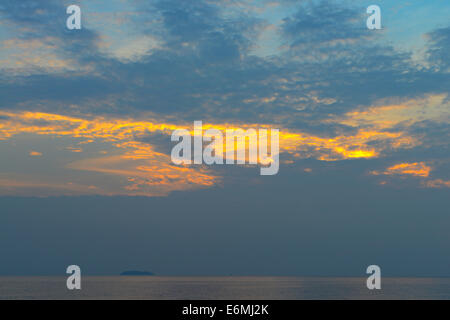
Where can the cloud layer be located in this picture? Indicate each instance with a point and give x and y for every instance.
(336, 90)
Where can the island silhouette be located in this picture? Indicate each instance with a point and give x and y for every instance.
(137, 273)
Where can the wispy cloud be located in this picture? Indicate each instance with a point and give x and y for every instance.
(146, 171)
(417, 169)
(35, 154)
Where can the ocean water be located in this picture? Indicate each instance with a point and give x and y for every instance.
(222, 288)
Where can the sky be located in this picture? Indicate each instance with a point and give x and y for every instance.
(86, 118)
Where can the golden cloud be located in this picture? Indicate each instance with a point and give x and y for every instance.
(35, 154)
(144, 171)
(417, 169)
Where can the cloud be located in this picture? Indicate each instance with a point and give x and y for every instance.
(35, 154)
(439, 46)
(148, 174)
(319, 24)
(41, 19)
(135, 49)
(434, 108)
(28, 187)
(416, 169)
(136, 167)
(139, 159)
(195, 61)
(337, 90)
(438, 183)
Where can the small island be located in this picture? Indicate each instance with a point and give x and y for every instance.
(137, 273)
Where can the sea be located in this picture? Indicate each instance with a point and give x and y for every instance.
(222, 288)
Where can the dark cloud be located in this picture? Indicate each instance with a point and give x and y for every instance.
(439, 48)
(53, 88)
(324, 22)
(205, 69)
(46, 20)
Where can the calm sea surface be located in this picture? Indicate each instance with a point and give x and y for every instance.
(222, 288)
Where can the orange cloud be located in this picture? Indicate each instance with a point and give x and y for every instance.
(145, 172)
(76, 150)
(364, 144)
(35, 154)
(301, 145)
(140, 170)
(417, 169)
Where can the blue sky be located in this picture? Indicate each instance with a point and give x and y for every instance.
(86, 117)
